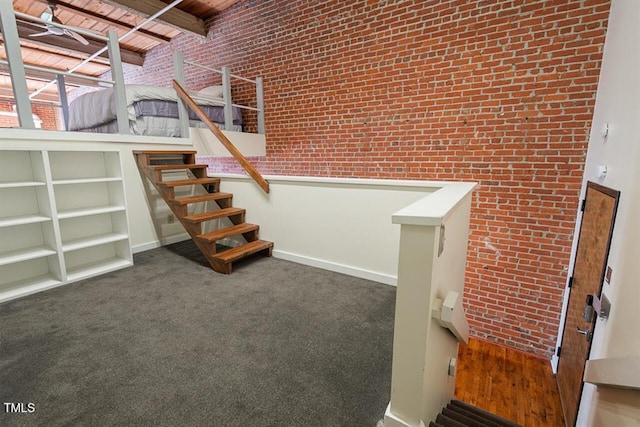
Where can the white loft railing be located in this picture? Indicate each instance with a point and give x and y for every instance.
(178, 65)
(226, 75)
(23, 100)
(17, 69)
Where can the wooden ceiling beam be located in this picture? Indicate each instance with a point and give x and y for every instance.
(175, 18)
(70, 45)
(106, 20)
(6, 94)
(47, 77)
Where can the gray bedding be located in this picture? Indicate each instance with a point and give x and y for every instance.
(147, 107)
(161, 108)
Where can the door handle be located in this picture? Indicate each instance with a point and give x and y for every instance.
(586, 333)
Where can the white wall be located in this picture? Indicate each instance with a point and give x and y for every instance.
(618, 104)
(338, 224)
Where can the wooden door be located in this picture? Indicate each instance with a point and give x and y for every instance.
(588, 273)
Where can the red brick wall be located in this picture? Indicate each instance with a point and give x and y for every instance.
(500, 92)
(49, 116)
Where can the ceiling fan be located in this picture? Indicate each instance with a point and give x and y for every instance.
(55, 30)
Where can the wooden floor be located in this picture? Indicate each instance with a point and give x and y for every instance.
(509, 383)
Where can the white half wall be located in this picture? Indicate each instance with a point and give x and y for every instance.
(433, 253)
(342, 225)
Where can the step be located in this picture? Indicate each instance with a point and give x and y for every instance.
(201, 198)
(208, 216)
(164, 152)
(234, 254)
(177, 167)
(229, 231)
(145, 157)
(194, 181)
(478, 413)
(468, 419)
(445, 421)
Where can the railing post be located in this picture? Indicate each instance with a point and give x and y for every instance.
(16, 66)
(421, 381)
(64, 102)
(118, 87)
(226, 90)
(260, 104)
(183, 114)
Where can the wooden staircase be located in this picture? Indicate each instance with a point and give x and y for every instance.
(461, 414)
(154, 164)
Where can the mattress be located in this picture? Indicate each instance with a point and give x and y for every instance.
(151, 111)
(153, 126)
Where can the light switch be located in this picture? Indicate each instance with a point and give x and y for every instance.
(453, 362)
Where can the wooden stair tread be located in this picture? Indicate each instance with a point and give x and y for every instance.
(152, 163)
(234, 254)
(177, 166)
(220, 213)
(201, 198)
(193, 181)
(229, 231)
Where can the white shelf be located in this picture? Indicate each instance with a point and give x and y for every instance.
(18, 184)
(11, 221)
(40, 189)
(96, 268)
(95, 210)
(20, 255)
(30, 286)
(86, 180)
(87, 242)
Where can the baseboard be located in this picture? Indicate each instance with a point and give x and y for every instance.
(158, 243)
(300, 259)
(554, 364)
(391, 420)
(338, 268)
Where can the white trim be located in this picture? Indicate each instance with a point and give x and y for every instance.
(392, 420)
(434, 185)
(434, 209)
(39, 137)
(336, 267)
(158, 243)
(554, 364)
(287, 256)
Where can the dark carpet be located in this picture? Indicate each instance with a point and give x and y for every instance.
(170, 342)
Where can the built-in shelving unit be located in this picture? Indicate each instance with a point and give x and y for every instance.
(63, 218)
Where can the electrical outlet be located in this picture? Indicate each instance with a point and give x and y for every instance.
(171, 219)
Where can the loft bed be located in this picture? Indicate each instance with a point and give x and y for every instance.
(152, 111)
(127, 109)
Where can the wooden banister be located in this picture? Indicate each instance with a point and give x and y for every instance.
(222, 137)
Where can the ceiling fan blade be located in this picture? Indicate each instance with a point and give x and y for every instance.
(46, 33)
(76, 36)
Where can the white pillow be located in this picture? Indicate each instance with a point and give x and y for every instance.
(214, 91)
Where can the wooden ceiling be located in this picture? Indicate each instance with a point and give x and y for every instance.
(63, 52)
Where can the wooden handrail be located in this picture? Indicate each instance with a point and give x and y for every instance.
(222, 137)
